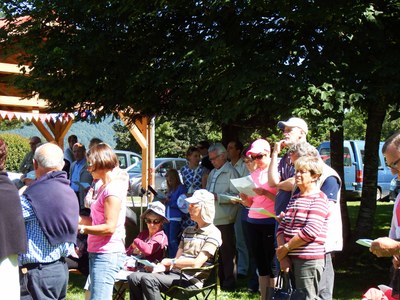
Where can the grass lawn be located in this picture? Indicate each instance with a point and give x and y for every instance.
(356, 270)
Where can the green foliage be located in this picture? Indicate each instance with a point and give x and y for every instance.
(17, 147)
(7, 125)
(354, 125)
(172, 137)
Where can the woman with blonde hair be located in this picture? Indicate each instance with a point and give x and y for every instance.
(302, 231)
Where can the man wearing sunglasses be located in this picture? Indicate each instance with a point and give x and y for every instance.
(389, 246)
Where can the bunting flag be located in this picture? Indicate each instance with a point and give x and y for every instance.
(23, 116)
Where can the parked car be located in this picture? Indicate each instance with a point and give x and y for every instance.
(127, 158)
(162, 165)
(353, 157)
(394, 188)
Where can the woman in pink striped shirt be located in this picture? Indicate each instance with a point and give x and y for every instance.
(302, 232)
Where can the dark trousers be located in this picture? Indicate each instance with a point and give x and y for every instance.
(44, 281)
(227, 254)
(262, 245)
(252, 284)
(148, 286)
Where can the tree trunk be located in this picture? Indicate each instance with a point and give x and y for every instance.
(229, 133)
(365, 219)
(336, 139)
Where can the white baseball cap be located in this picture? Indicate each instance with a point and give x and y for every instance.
(294, 122)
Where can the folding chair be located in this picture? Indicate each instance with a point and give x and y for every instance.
(210, 284)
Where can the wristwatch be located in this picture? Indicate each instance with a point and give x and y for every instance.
(82, 229)
(173, 262)
(287, 247)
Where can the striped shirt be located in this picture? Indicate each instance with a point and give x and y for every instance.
(306, 216)
(195, 240)
(39, 248)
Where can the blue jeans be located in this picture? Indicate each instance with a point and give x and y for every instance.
(103, 267)
(173, 231)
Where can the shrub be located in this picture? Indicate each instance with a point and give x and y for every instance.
(17, 147)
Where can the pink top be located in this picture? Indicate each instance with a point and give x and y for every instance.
(115, 242)
(260, 179)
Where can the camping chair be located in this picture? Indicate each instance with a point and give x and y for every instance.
(210, 284)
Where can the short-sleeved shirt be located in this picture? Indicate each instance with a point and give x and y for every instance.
(286, 170)
(39, 248)
(195, 240)
(116, 241)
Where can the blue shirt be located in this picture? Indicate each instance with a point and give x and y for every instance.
(286, 170)
(39, 248)
(192, 178)
(75, 176)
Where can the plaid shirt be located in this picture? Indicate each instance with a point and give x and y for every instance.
(39, 248)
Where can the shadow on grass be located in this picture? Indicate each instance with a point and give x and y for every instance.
(357, 269)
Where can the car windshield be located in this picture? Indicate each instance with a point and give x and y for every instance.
(138, 167)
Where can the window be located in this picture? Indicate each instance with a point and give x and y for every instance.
(346, 157)
(122, 161)
(180, 164)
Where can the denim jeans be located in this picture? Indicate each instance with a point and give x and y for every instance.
(103, 267)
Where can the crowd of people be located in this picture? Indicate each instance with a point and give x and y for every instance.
(289, 221)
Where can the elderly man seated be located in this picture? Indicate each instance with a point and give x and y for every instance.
(196, 249)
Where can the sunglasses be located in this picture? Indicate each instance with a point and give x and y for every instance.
(150, 221)
(259, 156)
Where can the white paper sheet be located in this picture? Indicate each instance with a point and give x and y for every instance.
(364, 242)
(244, 185)
(264, 212)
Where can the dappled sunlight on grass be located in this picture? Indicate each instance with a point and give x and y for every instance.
(358, 269)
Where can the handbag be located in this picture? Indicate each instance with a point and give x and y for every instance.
(285, 289)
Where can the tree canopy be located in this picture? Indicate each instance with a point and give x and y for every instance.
(244, 63)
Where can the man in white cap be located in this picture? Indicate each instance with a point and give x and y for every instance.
(281, 176)
(197, 248)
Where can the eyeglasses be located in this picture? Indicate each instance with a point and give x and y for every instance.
(394, 164)
(150, 221)
(259, 156)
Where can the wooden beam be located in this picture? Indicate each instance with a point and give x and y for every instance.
(7, 68)
(138, 133)
(43, 130)
(27, 103)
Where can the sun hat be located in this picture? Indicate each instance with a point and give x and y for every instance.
(259, 146)
(156, 207)
(206, 199)
(294, 122)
